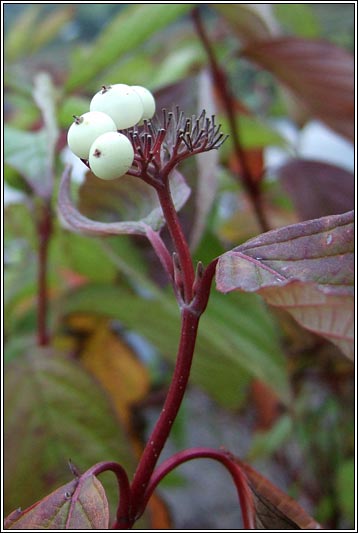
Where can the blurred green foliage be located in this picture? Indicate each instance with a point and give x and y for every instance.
(80, 47)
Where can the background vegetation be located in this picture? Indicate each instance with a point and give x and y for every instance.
(275, 394)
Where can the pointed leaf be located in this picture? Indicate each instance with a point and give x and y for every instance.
(21, 32)
(50, 26)
(237, 337)
(319, 73)
(129, 29)
(32, 153)
(275, 510)
(56, 410)
(306, 268)
(77, 505)
(127, 199)
(317, 189)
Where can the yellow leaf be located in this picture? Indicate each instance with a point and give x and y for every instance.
(117, 369)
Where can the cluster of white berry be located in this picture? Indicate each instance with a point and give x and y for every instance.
(94, 137)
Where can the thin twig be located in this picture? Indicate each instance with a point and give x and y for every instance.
(221, 83)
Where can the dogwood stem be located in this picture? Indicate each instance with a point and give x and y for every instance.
(193, 301)
(178, 238)
(238, 477)
(170, 409)
(44, 231)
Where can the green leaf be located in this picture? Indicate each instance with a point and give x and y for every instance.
(32, 153)
(128, 30)
(72, 105)
(50, 26)
(24, 113)
(17, 345)
(20, 33)
(77, 505)
(14, 180)
(345, 489)
(305, 268)
(26, 152)
(180, 63)
(237, 338)
(254, 133)
(55, 410)
(132, 70)
(83, 256)
(266, 443)
(298, 18)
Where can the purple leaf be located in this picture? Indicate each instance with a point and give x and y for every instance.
(130, 201)
(317, 189)
(306, 268)
(274, 509)
(81, 504)
(319, 73)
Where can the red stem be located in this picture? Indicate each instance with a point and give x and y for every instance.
(221, 83)
(44, 231)
(170, 409)
(122, 519)
(161, 250)
(178, 238)
(239, 478)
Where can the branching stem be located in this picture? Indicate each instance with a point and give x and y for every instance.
(178, 238)
(239, 478)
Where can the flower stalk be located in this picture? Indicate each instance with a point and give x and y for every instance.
(158, 148)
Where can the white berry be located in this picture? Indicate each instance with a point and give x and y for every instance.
(111, 155)
(147, 101)
(85, 129)
(120, 102)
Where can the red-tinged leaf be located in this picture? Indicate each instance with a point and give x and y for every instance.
(319, 73)
(317, 189)
(117, 207)
(81, 504)
(306, 268)
(250, 22)
(273, 508)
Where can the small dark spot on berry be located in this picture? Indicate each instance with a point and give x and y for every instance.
(97, 153)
